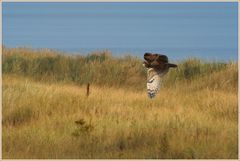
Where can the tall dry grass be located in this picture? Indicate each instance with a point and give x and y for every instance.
(193, 116)
(99, 68)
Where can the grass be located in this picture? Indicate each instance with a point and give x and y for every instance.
(48, 116)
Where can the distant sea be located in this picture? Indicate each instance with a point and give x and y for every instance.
(179, 30)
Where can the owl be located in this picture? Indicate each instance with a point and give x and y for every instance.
(157, 66)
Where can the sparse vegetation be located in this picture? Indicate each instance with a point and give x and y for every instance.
(46, 113)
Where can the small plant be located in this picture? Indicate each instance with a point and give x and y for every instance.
(82, 128)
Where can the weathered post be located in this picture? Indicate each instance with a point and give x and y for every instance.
(88, 89)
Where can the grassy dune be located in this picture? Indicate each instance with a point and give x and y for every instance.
(49, 116)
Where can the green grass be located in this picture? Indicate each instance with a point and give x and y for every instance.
(46, 114)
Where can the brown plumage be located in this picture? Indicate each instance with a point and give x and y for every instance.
(157, 61)
(158, 66)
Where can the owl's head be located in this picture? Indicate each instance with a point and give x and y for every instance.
(149, 57)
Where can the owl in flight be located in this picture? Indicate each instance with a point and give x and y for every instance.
(158, 66)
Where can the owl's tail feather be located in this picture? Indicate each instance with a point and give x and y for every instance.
(172, 65)
(151, 95)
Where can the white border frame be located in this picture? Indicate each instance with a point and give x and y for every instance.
(4, 1)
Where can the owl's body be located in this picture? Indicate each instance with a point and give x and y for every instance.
(157, 66)
(153, 82)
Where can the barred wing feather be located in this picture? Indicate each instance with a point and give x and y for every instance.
(153, 85)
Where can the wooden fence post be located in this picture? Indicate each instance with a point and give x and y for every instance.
(88, 89)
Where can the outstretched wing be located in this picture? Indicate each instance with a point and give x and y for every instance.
(153, 85)
(162, 58)
(155, 60)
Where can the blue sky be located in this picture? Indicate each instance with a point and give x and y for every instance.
(180, 30)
